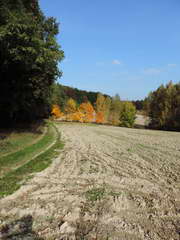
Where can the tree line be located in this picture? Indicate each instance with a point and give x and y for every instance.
(163, 107)
(29, 56)
(101, 109)
(60, 94)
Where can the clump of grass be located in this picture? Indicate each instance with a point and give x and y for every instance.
(95, 194)
(115, 194)
(130, 150)
(13, 180)
(93, 169)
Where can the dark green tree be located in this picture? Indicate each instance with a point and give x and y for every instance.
(58, 96)
(29, 56)
(163, 107)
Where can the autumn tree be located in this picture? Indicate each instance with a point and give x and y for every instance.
(107, 107)
(70, 109)
(115, 109)
(77, 116)
(99, 117)
(88, 112)
(70, 106)
(56, 112)
(102, 104)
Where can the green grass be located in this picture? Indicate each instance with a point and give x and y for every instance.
(12, 181)
(115, 194)
(95, 194)
(11, 161)
(16, 140)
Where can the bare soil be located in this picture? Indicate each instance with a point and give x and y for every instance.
(107, 183)
(141, 120)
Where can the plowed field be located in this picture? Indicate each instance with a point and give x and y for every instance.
(107, 183)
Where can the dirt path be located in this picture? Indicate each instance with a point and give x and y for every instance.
(141, 120)
(108, 183)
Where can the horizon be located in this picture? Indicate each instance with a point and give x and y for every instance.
(128, 48)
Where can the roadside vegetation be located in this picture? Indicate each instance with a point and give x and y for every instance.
(17, 167)
(29, 62)
(12, 140)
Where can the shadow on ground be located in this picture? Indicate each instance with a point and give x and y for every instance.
(20, 229)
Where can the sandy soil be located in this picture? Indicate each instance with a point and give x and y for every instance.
(141, 120)
(107, 183)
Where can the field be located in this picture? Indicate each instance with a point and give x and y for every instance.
(108, 183)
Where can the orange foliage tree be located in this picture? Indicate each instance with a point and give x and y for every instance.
(100, 108)
(77, 116)
(99, 117)
(56, 112)
(88, 112)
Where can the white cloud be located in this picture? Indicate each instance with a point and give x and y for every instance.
(172, 65)
(153, 71)
(117, 62)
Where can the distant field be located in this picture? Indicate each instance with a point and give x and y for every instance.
(107, 183)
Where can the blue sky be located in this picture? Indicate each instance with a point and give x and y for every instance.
(118, 46)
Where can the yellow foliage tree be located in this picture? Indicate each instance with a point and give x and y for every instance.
(70, 109)
(70, 106)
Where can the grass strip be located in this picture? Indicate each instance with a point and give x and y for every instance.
(20, 157)
(12, 181)
(13, 140)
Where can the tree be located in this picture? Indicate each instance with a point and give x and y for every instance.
(115, 109)
(107, 106)
(70, 106)
(29, 55)
(163, 107)
(100, 108)
(138, 104)
(99, 117)
(88, 111)
(58, 95)
(70, 109)
(77, 117)
(127, 114)
(56, 112)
